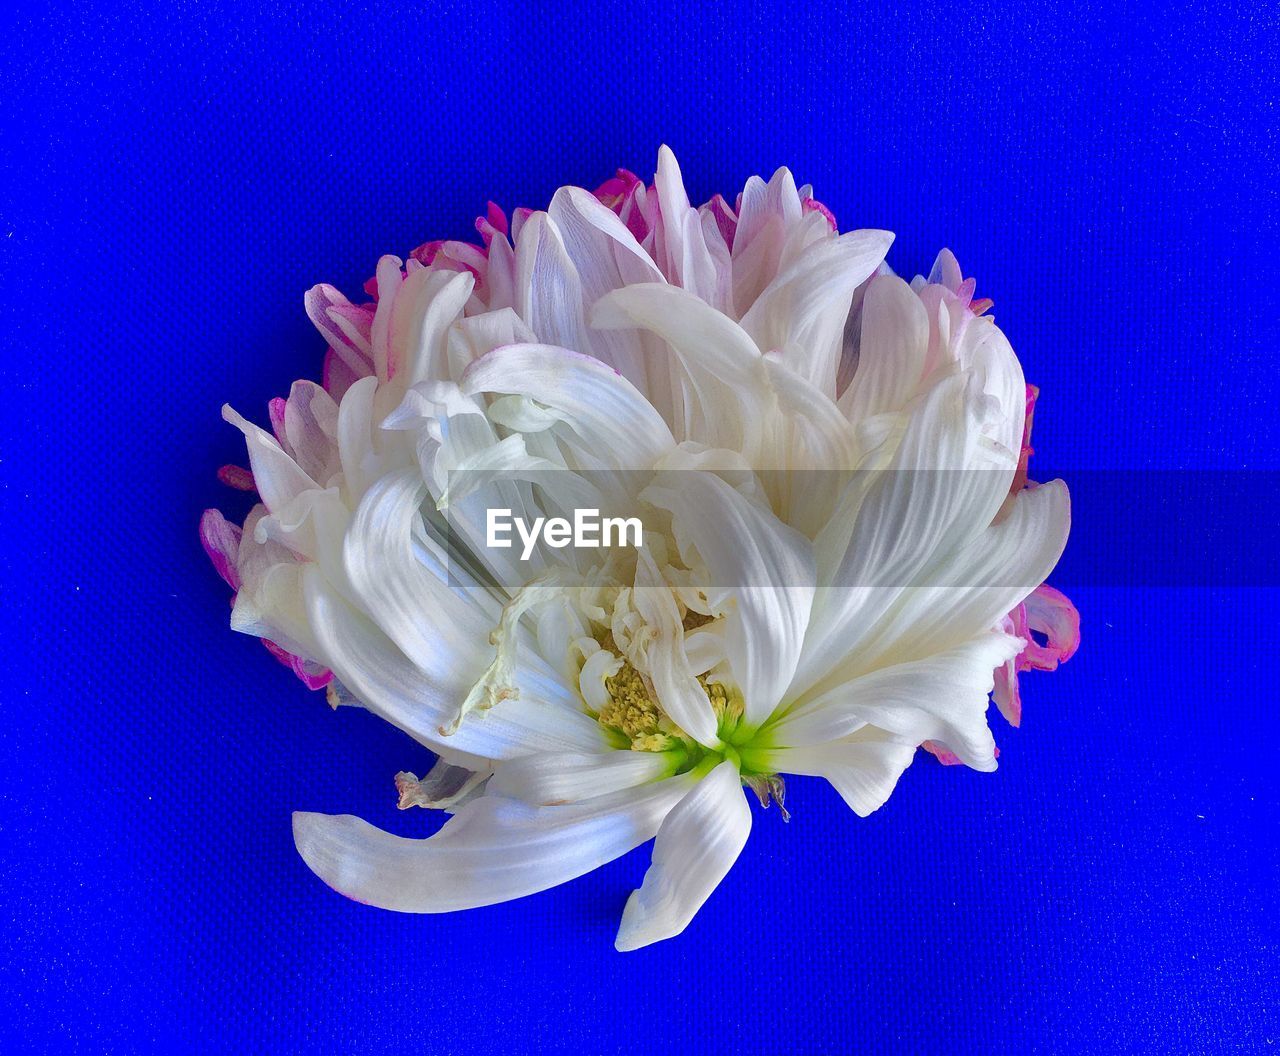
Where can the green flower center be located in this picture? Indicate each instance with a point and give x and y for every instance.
(633, 719)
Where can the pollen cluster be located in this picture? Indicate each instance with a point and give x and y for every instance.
(634, 713)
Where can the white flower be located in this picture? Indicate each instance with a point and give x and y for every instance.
(823, 457)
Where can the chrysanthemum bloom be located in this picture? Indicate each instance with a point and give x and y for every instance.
(842, 557)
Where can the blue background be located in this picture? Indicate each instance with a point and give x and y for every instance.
(174, 177)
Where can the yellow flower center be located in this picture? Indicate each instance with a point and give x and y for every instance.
(634, 713)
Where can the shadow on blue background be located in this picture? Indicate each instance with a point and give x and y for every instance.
(175, 176)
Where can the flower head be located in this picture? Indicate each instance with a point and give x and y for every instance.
(841, 557)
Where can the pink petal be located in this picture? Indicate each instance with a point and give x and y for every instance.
(726, 219)
(312, 675)
(1050, 613)
(614, 192)
(942, 753)
(497, 218)
(276, 411)
(1007, 695)
(221, 541)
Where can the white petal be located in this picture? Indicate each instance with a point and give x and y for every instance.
(320, 302)
(980, 582)
(892, 350)
(941, 698)
(427, 305)
(864, 769)
(548, 289)
(682, 247)
(802, 313)
(941, 491)
(477, 335)
(674, 681)
(697, 845)
(607, 257)
(389, 278)
(355, 438)
(719, 363)
(492, 850)
(310, 430)
(985, 352)
(415, 609)
(278, 478)
(766, 214)
(422, 700)
(556, 778)
(764, 566)
(611, 418)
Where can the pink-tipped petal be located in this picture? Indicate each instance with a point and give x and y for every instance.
(812, 205)
(221, 541)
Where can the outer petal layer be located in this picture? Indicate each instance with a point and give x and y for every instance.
(494, 849)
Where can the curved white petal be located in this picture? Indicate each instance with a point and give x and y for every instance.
(801, 314)
(393, 586)
(940, 698)
(943, 487)
(424, 700)
(278, 478)
(864, 768)
(718, 363)
(492, 850)
(978, 583)
(611, 418)
(428, 304)
(892, 351)
(324, 306)
(607, 257)
(697, 845)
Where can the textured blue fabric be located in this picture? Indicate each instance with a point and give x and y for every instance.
(172, 177)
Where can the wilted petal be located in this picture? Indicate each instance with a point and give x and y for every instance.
(445, 787)
(1051, 613)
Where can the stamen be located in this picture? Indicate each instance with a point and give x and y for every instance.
(634, 713)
